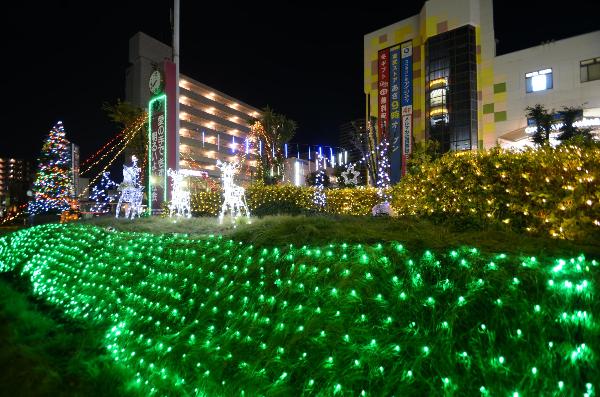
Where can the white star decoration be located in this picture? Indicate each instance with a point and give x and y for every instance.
(347, 179)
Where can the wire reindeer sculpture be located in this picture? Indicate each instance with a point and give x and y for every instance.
(234, 196)
(180, 198)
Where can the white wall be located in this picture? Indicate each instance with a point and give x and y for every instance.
(563, 58)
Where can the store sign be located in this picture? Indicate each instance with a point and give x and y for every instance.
(157, 153)
(406, 101)
(383, 95)
(75, 169)
(395, 119)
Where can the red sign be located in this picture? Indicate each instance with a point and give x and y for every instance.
(383, 95)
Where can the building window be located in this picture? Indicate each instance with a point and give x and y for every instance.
(590, 69)
(538, 81)
(451, 89)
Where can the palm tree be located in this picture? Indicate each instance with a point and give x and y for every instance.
(273, 130)
(543, 123)
(125, 114)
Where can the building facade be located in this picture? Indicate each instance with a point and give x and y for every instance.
(436, 76)
(16, 178)
(213, 125)
(556, 74)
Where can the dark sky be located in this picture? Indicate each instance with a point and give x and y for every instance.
(63, 60)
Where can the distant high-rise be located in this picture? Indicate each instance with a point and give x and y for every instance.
(353, 133)
(16, 177)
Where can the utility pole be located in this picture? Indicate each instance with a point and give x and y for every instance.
(176, 62)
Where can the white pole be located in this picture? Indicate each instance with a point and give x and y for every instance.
(176, 61)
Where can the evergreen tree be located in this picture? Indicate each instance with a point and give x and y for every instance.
(53, 188)
(543, 123)
(569, 116)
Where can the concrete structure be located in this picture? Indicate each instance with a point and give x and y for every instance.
(462, 94)
(16, 177)
(213, 125)
(566, 83)
(350, 135)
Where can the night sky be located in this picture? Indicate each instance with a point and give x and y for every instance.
(62, 61)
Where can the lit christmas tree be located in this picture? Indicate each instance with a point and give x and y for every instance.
(53, 188)
(100, 194)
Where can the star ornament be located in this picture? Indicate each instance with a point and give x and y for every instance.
(346, 175)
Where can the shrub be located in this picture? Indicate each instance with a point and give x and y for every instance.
(547, 190)
(351, 201)
(293, 200)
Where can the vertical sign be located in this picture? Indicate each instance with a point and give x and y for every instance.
(406, 101)
(384, 93)
(395, 122)
(157, 153)
(172, 136)
(75, 169)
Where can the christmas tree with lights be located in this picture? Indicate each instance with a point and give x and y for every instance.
(100, 194)
(53, 188)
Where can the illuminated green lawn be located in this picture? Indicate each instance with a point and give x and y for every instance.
(218, 317)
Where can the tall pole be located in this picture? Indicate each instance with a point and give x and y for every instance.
(176, 62)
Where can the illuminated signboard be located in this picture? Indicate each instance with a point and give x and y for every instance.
(157, 153)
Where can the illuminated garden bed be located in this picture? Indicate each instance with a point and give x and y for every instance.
(213, 316)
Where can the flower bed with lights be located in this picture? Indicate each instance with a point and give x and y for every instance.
(215, 317)
(552, 191)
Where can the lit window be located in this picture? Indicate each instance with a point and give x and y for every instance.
(538, 81)
(590, 70)
(437, 97)
(438, 115)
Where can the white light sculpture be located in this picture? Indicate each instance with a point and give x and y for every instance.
(383, 209)
(346, 175)
(319, 195)
(234, 196)
(101, 196)
(180, 198)
(131, 191)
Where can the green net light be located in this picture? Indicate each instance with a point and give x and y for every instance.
(214, 317)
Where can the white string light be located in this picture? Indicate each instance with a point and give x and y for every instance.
(100, 194)
(234, 196)
(131, 191)
(346, 175)
(319, 196)
(180, 198)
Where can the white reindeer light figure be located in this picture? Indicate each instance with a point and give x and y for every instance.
(235, 197)
(180, 198)
(131, 191)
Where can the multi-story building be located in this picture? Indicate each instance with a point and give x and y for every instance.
(16, 177)
(213, 125)
(555, 74)
(354, 133)
(436, 76)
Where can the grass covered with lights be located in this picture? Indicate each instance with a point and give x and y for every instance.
(45, 354)
(184, 316)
